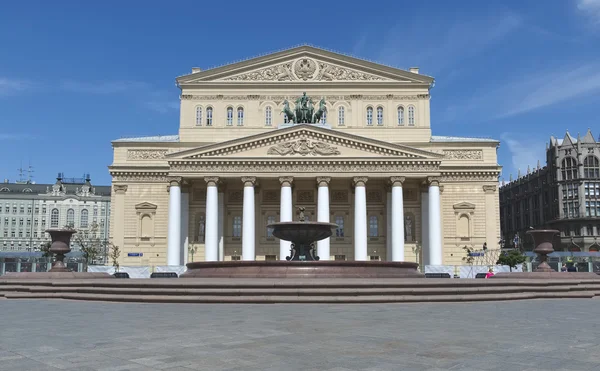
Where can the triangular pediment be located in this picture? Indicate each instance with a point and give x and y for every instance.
(303, 141)
(304, 64)
(145, 206)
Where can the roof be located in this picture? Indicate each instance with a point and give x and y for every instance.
(441, 139)
(36, 189)
(153, 139)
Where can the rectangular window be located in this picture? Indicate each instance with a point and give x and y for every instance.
(373, 226)
(339, 257)
(339, 220)
(22, 209)
(270, 220)
(14, 209)
(29, 209)
(236, 257)
(237, 226)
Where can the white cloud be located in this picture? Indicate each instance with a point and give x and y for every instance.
(102, 87)
(13, 86)
(590, 8)
(524, 152)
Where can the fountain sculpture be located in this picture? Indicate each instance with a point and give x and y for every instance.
(543, 246)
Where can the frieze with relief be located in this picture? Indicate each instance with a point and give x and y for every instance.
(306, 69)
(463, 154)
(308, 166)
(303, 147)
(146, 154)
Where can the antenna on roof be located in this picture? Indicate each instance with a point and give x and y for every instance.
(21, 174)
(29, 172)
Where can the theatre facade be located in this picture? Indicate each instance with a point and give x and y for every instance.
(348, 140)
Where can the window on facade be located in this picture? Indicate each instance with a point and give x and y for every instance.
(270, 220)
(592, 208)
(324, 118)
(229, 116)
(400, 116)
(21, 209)
(571, 209)
(339, 220)
(411, 116)
(209, 116)
(571, 190)
(591, 167)
(29, 222)
(373, 226)
(83, 219)
(268, 116)
(54, 218)
(71, 217)
(379, 116)
(237, 226)
(569, 168)
(198, 116)
(240, 116)
(20, 222)
(589, 230)
(369, 116)
(341, 116)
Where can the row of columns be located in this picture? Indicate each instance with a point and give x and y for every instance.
(430, 205)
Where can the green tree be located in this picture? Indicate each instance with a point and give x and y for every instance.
(511, 258)
(114, 254)
(45, 249)
(469, 257)
(90, 243)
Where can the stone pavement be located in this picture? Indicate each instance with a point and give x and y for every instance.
(53, 335)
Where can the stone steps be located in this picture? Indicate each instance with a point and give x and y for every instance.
(297, 291)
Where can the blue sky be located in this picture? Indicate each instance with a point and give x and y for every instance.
(75, 75)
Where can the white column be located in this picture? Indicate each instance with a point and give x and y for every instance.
(435, 223)
(248, 220)
(360, 219)
(185, 220)
(221, 225)
(211, 232)
(397, 219)
(424, 227)
(323, 250)
(174, 232)
(285, 212)
(388, 227)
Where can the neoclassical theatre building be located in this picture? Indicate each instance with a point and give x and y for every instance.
(347, 139)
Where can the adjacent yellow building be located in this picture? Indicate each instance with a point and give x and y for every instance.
(370, 165)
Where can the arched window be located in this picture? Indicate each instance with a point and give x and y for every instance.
(54, 218)
(268, 116)
(240, 116)
(569, 168)
(400, 116)
(229, 116)
(324, 117)
(591, 167)
(146, 226)
(463, 226)
(341, 116)
(198, 116)
(71, 217)
(369, 116)
(379, 116)
(209, 117)
(411, 116)
(83, 219)
(373, 226)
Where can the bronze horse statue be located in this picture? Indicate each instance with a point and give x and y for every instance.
(319, 114)
(288, 112)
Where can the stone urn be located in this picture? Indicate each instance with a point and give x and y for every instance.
(542, 240)
(61, 245)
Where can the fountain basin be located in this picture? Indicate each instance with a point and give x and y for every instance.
(302, 269)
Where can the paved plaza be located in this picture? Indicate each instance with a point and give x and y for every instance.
(53, 335)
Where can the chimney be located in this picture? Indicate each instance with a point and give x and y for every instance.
(196, 69)
(414, 70)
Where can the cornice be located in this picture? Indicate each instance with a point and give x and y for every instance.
(467, 175)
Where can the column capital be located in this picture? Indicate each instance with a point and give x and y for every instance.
(434, 181)
(249, 181)
(396, 181)
(174, 181)
(286, 181)
(212, 181)
(120, 188)
(489, 188)
(323, 181)
(359, 181)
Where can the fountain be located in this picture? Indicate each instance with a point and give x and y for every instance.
(303, 236)
(303, 262)
(542, 239)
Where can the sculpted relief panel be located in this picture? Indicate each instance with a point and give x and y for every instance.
(146, 154)
(303, 147)
(305, 69)
(463, 154)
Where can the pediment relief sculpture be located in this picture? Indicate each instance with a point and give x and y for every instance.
(304, 147)
(306, 69)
